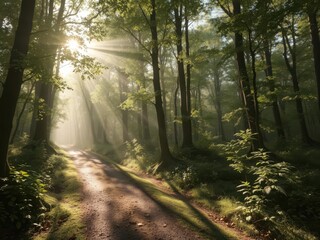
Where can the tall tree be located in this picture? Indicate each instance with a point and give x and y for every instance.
(289, 41)
(312, 11)
(46, 88)
(123, 90)
(184, 82)
(13, 82)
(217, 102)
(165, 156)
(250, 101)
(24, 105)
(271, 83)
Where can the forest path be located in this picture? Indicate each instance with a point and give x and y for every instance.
(116, 208)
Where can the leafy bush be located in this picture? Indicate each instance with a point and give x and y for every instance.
(33, 155)
(265, 178)
(21, 202)
(134, 149)
(53, 163)
(184, 177)
(139, 157)
(206, 171)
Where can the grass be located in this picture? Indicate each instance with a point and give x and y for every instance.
(213, 185)
(180, 207)
(64, 221)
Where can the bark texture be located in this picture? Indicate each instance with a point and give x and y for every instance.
(13, 82)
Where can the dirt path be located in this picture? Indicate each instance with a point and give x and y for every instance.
(115, 208)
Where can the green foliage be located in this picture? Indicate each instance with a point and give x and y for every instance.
(184, 177)
(21, 199)
(32, 156)
(88, 67)
(265, 179)
(134, 149)
(138, 157)
(64, 221)
(53, 164)
(134, 98)
(237, 150)
(235, 115)
(43, 109)
(191, 175)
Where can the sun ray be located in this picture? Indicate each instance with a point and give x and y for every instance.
(73, 45)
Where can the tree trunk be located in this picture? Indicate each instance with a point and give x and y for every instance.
(255, 90)
(175, 102)
(270, 80)
(217, 91)
(244, 83)
(145, 123)
(199, 99)
(186, 124)
(35, 109)
(42, 121)
(42, 128)
(123, 89)
(166, 156)
(13, 82)
(163, 86)
(188, 81)
(292, 68)
(145, 117)
(195, 121)
(312, 14)
(139, 120)
(14, 133)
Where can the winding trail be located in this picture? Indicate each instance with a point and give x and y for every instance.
(116, 208)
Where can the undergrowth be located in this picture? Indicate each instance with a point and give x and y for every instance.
(255, 192)
(31, 197)
(64, 221)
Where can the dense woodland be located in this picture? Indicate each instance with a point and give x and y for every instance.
(220, 97)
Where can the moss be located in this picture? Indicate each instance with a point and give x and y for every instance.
(65, 216)
(215, 188)
(182, 209)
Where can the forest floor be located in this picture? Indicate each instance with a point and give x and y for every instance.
(116, 206)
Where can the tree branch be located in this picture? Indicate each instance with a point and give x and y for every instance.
(226, 10)
(136, 38)
(144, 14)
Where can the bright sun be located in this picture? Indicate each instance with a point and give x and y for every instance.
(73, 45)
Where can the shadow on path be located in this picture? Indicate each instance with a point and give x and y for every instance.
(121, 205)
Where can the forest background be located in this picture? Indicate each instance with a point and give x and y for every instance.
(227, 92)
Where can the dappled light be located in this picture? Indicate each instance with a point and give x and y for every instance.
(153, 120)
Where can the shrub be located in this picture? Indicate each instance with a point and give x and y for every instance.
(134, 149)
(265, 179)
(32, 155)
(21, 202)
(185, 177)
(137, 156)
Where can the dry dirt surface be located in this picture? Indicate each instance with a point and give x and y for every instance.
(116, 208)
